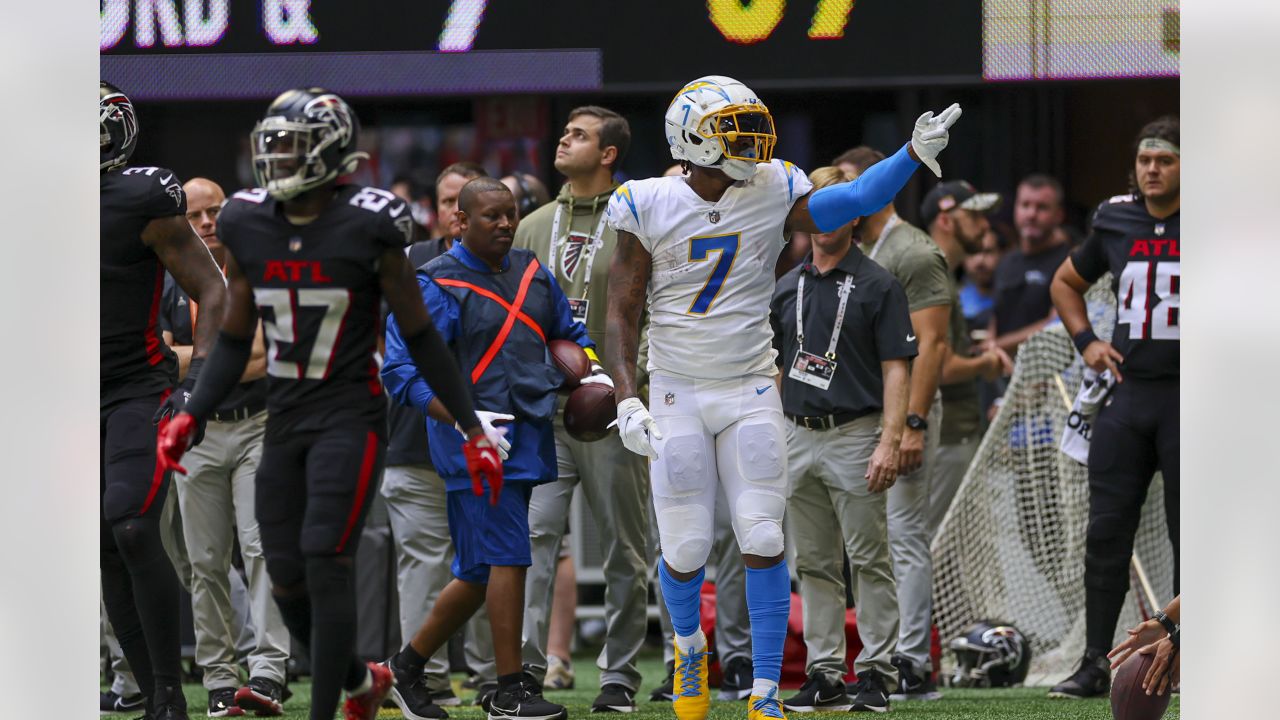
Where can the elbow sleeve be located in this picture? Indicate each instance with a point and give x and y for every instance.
(435, 361)
(220, 374)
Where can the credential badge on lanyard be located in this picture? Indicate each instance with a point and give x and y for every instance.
(809, 368)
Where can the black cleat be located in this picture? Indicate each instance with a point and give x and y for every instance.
(169, 704)
(262, 696)
(819, 694)
(1092, 679)
(222, 703)
(110, 702)
(870, 695)
(411, 695)
(913, 684)
(614, 697)
(737, 679)
(667, 690)
(523, 701)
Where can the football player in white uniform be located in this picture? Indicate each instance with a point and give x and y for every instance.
(701, 250)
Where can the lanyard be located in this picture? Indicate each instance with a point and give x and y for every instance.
(844, 291)
(888, 226)
(594, 243)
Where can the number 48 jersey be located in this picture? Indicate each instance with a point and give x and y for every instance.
(317, 290)
(712, 276)
(1142, 254)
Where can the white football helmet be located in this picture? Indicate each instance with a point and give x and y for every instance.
(716, 121)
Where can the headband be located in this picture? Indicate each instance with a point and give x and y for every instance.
(1153, 143)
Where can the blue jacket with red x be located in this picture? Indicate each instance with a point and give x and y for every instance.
(494, 330)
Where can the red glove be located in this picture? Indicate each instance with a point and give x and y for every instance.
(483, 464)
(173, 439)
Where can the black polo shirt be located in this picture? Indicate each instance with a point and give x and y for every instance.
(177, 316)
(1022, 287)
(877, 327)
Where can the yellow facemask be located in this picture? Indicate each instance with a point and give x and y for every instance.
(745, 132)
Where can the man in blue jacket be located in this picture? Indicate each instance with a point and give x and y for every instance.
(497, 308)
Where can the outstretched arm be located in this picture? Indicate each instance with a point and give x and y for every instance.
(628, 286)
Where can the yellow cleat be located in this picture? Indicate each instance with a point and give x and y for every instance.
(768, 707)
(692, 691)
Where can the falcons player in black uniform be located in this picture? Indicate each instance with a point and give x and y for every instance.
(144, 231)
(314, 258)
(1135, 238)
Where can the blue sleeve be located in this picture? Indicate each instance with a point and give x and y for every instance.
(566, 327)
(399, 374)
(834, 206)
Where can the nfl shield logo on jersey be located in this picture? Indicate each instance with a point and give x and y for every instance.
(295, 244)
(713, 217)
(670, 399)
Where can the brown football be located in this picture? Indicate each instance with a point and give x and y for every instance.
(572, 361)
(588, 412)
(1128, 700)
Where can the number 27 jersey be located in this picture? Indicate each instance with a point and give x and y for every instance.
(712, 276)
(317, 290)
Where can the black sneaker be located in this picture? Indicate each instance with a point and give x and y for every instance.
(870, 695)
(484, 693)
(819, 694)
(737, 679)
(111, 702)
(667, 690)
(615, 698)
(222, 703)
(411, 695)
(913, 684)
(262, 696)
(1092, 679)
(446, 698)
(520, 701)
(169, 704)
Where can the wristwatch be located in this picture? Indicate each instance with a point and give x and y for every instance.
(1165, 621)
(915, 422)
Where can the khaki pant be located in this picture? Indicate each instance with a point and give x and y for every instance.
(615, 484)
(416, 509)
(909, 537)
(216, 501)
(829, 508)
(950, 463)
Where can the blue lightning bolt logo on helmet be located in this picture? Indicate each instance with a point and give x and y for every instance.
(717, 122)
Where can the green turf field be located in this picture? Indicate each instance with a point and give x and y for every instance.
(1014, 704)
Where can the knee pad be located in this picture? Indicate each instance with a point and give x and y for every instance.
(758, 522)
(138, 539)
(684, 532)
(762, 453)
(686, 467)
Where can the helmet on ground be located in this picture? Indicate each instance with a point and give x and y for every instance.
(306, 138)
(117, 127)
(991, 654)
(716, 121)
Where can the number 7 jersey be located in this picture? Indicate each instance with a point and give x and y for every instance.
(317, 290)
(712, 276)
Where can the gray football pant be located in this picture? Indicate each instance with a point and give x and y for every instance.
(417, 511)
(216, 499)
(830, 513)
(950, 463)
(909, 537)
(615, 484)
(733, 625)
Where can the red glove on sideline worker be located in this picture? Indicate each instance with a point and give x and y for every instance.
(174, 438)
(483, 464)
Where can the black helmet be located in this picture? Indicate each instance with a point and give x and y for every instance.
(307, 138)
(991, 654)
(117, 127)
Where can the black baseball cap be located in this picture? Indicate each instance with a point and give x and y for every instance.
(956, 194)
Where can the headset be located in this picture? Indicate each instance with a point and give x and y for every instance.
(527, 203)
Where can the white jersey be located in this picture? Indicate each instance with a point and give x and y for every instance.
(712, 276)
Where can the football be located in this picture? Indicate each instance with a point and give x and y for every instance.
(572, 361)
(588, 412)
(1128, 700)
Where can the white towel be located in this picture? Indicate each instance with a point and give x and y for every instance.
(1094, 389)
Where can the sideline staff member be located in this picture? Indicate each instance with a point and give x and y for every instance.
(843, 332)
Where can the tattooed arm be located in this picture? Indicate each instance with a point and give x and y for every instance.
(628, 287)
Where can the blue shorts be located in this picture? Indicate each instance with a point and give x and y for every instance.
(485, 535)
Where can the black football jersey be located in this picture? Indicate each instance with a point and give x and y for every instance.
(318, 294)
(1141, 252)
(135, 362)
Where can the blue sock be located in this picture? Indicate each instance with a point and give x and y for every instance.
(768, 605)
(683, 599)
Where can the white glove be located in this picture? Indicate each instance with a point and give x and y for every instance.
(597, 377)
(637, 427)
(497, 435)
(931, 136)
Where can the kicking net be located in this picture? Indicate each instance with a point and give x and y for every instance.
(1011, 547)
